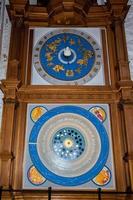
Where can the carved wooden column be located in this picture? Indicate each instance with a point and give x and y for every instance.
(125, 85)
(18, 147)
(25, 55)
(18, 37)
(124, 82)
(10, 87)
(119, 10)
(121, 50)
(128, 114)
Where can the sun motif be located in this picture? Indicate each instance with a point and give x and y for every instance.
(68, 143)
(37, 112)
(35, 177)
(103, 177)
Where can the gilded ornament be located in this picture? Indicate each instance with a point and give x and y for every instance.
(88, 54)
(58, 68)
(69, 73)
(78, 70)
(82, 62)
(49, 57)
(72, 42)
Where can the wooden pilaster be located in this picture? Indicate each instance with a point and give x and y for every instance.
(9, 88)
(119, 149)
(17, 41)
(128, 114)
(112, 56)
(121, 51)
(123, 80)
(18, 147)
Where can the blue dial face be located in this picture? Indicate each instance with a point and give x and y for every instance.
(68, 145)
(67, 57)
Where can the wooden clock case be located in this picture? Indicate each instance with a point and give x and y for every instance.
(18, 92)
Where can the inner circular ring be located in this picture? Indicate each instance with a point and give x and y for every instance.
(61, 166)
(68, 143)
(69, 61)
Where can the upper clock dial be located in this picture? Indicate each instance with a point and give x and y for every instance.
(67, 57)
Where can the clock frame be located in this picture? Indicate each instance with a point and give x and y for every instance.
(19, 91)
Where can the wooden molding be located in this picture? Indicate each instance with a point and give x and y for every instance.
(76, 12)
(19, 7)
(60, 13)
(65, 94)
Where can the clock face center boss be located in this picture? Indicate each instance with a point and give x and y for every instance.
(67, 56)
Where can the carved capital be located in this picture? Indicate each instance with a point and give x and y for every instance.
(18, 21)
(18, 11)
(119, 9)
(10, 88)
(11, 101)
(125, 87)
(19, 7)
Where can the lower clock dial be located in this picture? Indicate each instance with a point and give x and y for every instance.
(68, 145)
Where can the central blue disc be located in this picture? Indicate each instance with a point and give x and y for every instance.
(67, 68)
(68, 143)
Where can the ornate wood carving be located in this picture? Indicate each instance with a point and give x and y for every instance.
(17, 89)
(9, 89)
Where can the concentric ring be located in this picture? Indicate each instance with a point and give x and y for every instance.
(64, 171)
(68, 143)
(84, 66)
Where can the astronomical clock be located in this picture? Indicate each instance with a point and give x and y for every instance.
(67, 112)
